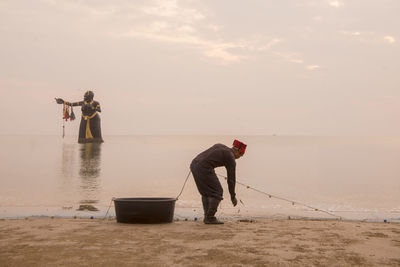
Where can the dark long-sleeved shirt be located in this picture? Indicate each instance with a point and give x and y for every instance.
(217, 156)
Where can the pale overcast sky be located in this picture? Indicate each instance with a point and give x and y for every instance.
(285, 67)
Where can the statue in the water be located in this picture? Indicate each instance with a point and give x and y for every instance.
(90, 128)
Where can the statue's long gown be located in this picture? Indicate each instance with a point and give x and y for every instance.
(90, 128)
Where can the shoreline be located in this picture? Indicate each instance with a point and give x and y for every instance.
(194, 217)
(104, 242)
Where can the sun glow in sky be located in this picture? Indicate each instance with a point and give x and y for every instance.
(306, 67)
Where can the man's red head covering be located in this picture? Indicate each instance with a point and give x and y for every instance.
(240, 146)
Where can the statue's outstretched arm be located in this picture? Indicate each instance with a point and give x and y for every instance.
(61, 101)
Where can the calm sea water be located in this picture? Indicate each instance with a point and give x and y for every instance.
(353, 177)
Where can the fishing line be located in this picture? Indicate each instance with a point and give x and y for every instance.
(267, 194)
(283, 199)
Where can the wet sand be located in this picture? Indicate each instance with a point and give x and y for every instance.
(85, 242)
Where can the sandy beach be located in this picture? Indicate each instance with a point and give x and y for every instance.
(85, 242)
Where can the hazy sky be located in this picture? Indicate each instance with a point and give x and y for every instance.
(287, 67)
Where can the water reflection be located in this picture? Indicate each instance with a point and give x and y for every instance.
(90, 161)
(68, 160)
(90, 155)
(68, 174)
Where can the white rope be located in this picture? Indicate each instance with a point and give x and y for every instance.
(187, 177)
(112, 199)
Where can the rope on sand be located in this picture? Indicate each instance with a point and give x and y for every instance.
(112, 199)
(283, 199)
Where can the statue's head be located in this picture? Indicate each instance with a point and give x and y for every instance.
(88, 96)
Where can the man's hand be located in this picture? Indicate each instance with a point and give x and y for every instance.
(234, 201)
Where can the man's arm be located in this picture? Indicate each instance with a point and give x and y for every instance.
(231, 171)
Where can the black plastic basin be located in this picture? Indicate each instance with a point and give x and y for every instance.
(144, 210)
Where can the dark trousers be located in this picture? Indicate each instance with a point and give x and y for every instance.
(206, 181)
